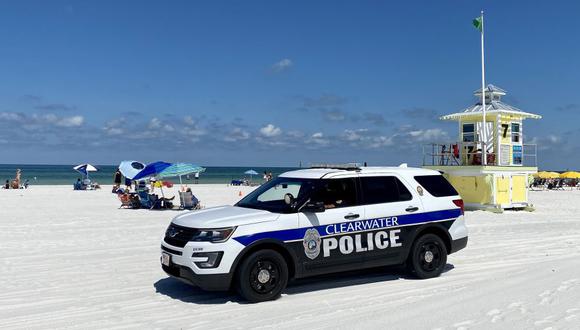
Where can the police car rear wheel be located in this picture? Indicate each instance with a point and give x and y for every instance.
(262, 276)
(428, 256)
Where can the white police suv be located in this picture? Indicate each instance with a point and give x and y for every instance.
(317, 221)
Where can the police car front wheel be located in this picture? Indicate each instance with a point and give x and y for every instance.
(262, 276)
(428, 256)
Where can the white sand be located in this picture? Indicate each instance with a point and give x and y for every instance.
(71, 259)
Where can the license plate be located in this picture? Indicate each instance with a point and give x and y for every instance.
(165, 259)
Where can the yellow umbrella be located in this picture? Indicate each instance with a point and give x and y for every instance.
(570, 175)
(547, 175)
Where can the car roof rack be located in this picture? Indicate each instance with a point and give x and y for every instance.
(347, 166)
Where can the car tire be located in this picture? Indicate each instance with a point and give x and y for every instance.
(262, 276)
(428, 256)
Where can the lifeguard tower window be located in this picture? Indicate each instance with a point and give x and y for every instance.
(436, 185)
(384, 189)
(516, 133)
(468, 132)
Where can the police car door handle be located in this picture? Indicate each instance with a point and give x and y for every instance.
(351, 216)
(412, 209)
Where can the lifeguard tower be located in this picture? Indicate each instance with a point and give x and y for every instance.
(490, 164)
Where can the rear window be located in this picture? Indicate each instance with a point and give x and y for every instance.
(436, 185)
(384, 189)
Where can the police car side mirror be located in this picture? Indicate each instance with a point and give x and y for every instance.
(315, 207)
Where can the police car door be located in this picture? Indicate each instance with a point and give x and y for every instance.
(327, 246)
(389, 206)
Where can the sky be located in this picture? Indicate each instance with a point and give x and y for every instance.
(276, 83)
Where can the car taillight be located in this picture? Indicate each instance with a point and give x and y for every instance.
(459, 203)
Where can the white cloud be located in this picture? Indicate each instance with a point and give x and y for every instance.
(295, 134)
(353, 135)
(282, 65)
(317, 139)
(270, 131)
(188, 120)
(429, 135)
(154, 123)
(74, 121)
(237, 134)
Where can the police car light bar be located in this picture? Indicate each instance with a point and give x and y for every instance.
(348, 166)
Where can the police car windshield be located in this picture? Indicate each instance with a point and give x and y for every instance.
(270, 196)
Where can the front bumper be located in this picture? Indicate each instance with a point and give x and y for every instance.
(208, 282)
(184, 264)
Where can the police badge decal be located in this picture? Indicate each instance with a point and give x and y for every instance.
(312, 243)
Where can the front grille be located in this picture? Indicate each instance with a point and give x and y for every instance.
(179, 236)
(168, 250)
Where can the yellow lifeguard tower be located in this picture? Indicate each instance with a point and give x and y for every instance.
(490, 164)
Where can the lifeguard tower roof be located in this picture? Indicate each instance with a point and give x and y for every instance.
(493, 105)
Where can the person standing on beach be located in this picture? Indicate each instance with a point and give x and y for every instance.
(196, 177)
(117, 179)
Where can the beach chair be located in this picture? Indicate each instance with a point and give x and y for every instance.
(126, 201)
(188, 201)
(148, 201)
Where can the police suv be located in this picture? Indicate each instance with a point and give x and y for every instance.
(318, 221)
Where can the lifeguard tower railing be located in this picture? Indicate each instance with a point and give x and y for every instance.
(469, 154)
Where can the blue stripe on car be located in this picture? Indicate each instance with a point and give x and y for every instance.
(296, 234)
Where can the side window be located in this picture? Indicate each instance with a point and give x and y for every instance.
(277, 192)
(384, 189)
(516, 133)
(468, 132)
(335, 193)
(436, 185)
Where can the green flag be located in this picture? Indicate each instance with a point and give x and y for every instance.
(478, 23)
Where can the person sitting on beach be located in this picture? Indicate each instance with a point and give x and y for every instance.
(26, 184)
(194, 200)
(78, 185)
(6, 185)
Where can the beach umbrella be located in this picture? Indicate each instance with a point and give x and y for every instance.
(151, 170)
(547, 175)
(180, 169)
(251, 173)
(84, 169)
(130, 168)
(570, 175)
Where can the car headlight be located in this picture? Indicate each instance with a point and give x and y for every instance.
(213, 235)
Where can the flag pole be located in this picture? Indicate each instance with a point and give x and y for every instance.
(484, 126)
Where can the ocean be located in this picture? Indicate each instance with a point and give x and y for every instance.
(65, 175)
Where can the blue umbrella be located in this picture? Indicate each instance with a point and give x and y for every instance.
(251, 173)
(152, 169)
(130, 168)
(179, 169)
(84, 169)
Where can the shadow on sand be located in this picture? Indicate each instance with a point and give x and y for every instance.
(176, 289)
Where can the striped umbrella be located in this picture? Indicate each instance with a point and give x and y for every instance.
(180, 169)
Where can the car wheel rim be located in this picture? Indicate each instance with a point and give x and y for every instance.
(430, 256)
(264, 276)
